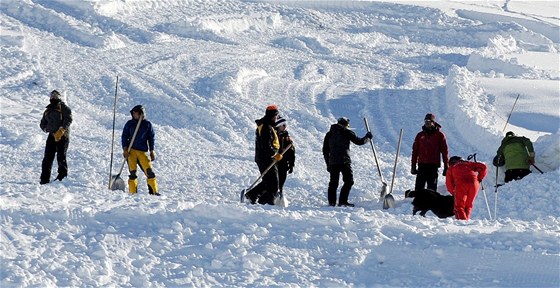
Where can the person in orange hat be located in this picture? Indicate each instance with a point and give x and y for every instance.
(267, 150)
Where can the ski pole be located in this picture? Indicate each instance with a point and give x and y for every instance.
(496, 195)
(511, 112)
(482, 187)
(537, 168)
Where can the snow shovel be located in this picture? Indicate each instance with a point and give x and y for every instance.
(383, 190)
(389, 201)
(113, 137)
(117, 183)
(244, 191)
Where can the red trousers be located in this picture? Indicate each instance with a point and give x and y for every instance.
(465, 194)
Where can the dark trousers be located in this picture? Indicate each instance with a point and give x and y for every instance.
(268, 187)
(516, 174)
(282, 175)
(427, 176)
(53, 149)
(347, 178)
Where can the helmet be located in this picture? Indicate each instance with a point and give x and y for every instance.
(344, 122)
(138, 108)
(455, 159)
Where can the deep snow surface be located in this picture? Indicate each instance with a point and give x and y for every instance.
(205, 70)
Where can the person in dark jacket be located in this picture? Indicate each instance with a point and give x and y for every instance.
(517, 154)
(336, 151)
(56, 121)
(267, 151)
(143, 142)
(429, 145)
(286, 165)
(463, 181)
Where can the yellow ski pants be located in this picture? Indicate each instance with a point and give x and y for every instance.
(135, 158)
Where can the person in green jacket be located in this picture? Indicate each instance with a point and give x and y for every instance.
(517, 154)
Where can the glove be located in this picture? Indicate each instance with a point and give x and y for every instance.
(369, 135)
(58, 134)
(328, 169)
(153, 155)
(125, 153)
(277, 157)
(444, 170)
(291, 169)
(531, 160)
(413, 170)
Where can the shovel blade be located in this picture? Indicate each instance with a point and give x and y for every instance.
(117, 183)
(388, 201)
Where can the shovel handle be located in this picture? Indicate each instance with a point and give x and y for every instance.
(396, 158)
(128, 149)
(374, 154)
(268, 168)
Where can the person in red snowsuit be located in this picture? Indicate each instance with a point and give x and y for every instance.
(462, 181)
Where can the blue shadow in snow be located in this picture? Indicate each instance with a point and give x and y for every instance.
(536, 122)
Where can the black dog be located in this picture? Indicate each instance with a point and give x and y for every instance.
(429, 200)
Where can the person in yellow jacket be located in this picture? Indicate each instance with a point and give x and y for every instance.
(137, 155)
(267, 146)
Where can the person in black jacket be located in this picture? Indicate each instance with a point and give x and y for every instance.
(56, 121)
(286, 165)
(267, 146)
(336, 151)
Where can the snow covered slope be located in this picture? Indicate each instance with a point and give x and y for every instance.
(205, 70)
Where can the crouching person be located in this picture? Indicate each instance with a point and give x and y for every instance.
(462, 181)
(137, 156)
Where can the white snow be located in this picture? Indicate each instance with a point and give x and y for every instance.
(205, 70)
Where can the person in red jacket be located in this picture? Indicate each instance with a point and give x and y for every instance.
(462, 181)
(428, 145)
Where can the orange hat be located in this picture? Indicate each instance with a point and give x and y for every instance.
(271, 110)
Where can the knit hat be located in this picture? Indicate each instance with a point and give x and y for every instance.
(343, 121)
(455, 159)
(431, 117)
(138, 108)
(55, 94)
(280, 121)
(271, 110)
(510, 133)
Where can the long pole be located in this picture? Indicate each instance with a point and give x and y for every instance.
(396, 158)
(496, 195)
(374, 154)
(113, 137)
(482, 187)
(383, 190)
(537, 168)
(511, 112)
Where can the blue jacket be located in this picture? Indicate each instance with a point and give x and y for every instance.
(144, 138)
